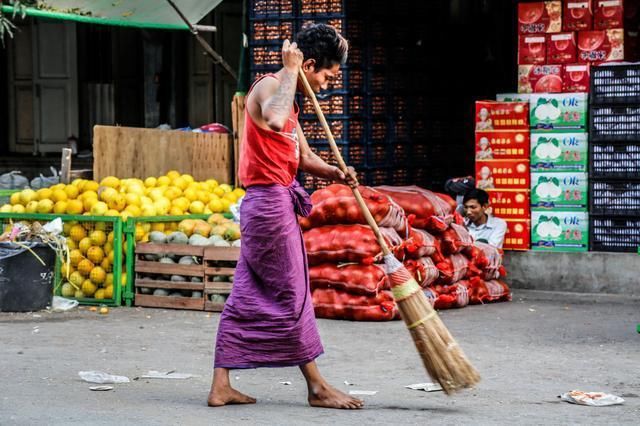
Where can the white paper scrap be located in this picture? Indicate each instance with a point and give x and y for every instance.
(427, 387)
(362, 392)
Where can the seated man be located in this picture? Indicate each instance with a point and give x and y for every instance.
(481, 225)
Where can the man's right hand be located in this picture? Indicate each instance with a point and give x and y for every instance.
(292, 57)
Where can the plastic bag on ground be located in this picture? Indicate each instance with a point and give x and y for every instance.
(346, 243)
(336, 204)
(46, 181)
(594, 399)
(60, 304)
(352, 278)
(101, 377)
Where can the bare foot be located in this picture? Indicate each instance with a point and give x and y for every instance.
(227, 395)
(326, 396)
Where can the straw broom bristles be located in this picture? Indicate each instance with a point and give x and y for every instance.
(442, 357)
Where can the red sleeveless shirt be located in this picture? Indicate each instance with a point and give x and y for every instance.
(268, 157)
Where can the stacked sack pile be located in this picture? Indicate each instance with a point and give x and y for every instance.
(424, 231)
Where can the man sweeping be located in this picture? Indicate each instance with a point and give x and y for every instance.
(268, 320)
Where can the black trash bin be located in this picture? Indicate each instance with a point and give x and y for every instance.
(25, 283)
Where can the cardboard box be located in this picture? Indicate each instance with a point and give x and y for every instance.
(577, 15)
(502, 145)
(532, 49)
(559, 112)
(513, 97)
(503, 174)
(540, 78)
(518, 236)
(540, 17)
(561, 48)
(559, 190)
(601, 45)
(608, 14)
(559, 152)
(493, 115)
(576, 78)
(558, 230)
(510, 203)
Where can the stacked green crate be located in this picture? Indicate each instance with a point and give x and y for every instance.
(559, 179)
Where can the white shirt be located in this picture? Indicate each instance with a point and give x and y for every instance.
(492, 231)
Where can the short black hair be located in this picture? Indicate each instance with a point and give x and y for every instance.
(476, 194)
(324, 44)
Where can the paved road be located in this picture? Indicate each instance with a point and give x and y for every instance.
(528, 352)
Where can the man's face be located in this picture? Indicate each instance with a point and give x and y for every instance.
(320, 80)
(474, 210)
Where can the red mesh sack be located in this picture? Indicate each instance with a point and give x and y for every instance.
(452, 269)
(451, 296)
(334, 304)
(423, 270)
(490, 261)
(351, 278)
(425, 209)
(481, 291)
(346, 243)
(336, 204)
(437, 255)
(419, 244)
(455, 239)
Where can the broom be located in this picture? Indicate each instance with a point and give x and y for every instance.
(442, 357)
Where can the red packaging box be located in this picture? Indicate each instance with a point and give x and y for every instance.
(540, 78)
(577, 15)
(561, 48)
(503, 174)
(493, 115)
(532, 49)
(510, 203)
(540, 17)
(608, 14)
(518, 236)
(502, 145)
(601, 46)
(576, 78)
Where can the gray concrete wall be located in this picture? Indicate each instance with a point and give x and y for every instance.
(593, 272)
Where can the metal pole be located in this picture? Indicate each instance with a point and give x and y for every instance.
(215, 56)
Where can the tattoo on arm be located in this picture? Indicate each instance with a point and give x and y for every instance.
(282, 101)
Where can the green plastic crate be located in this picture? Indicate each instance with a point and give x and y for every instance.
(107, 224)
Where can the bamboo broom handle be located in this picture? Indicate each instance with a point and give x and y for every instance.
(336, 152)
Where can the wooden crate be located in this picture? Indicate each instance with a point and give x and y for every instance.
(218, 261)
(128, 152)
(154, 268)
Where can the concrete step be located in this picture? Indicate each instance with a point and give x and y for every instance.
(592, 272)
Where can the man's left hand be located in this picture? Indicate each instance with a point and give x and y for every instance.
(350, 179)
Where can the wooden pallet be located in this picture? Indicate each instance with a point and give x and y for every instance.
(213, 256)
(158, 269)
